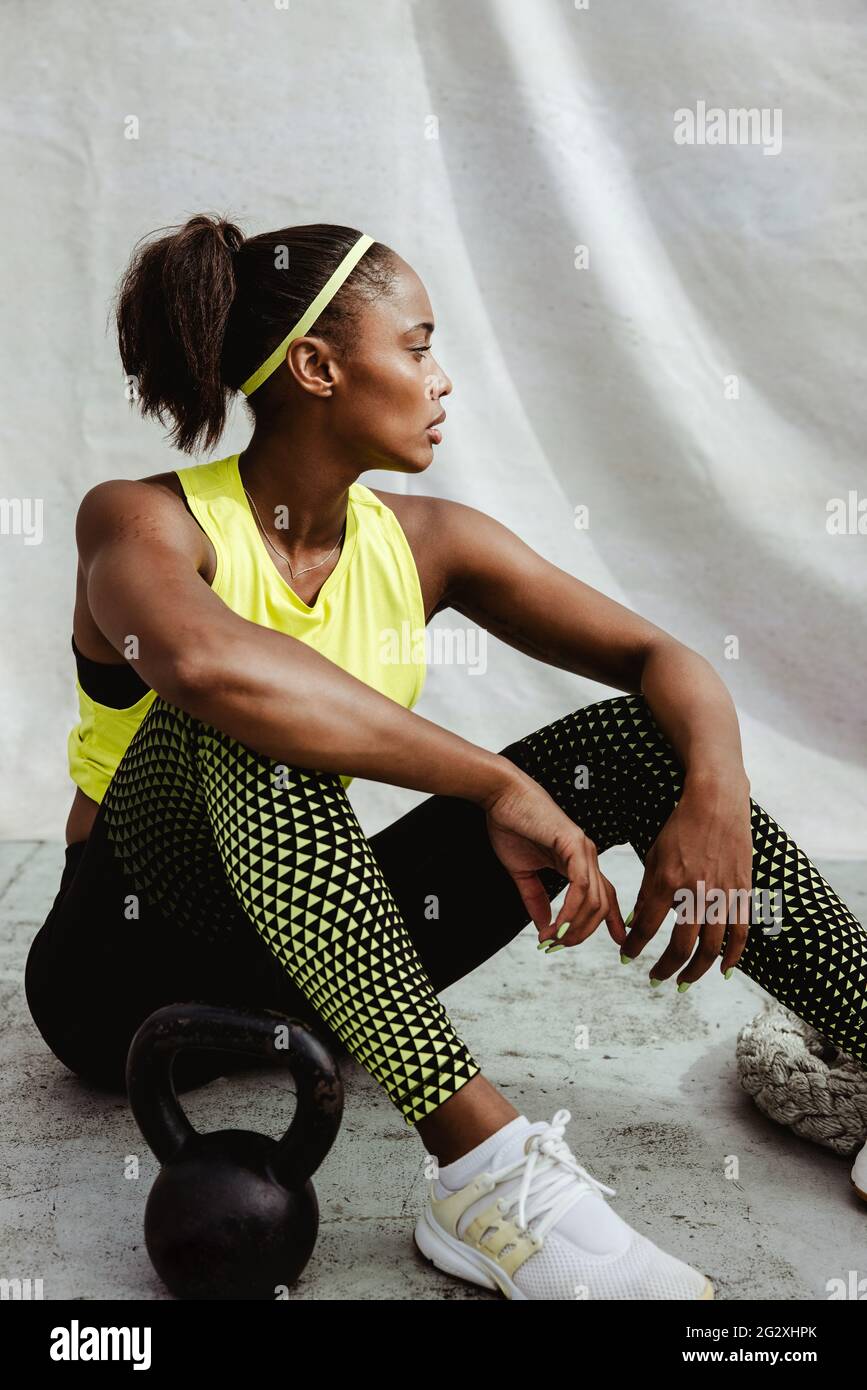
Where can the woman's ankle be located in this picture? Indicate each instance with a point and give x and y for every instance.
(465, 1120)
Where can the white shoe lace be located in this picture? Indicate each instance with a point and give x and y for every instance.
(553, 1180)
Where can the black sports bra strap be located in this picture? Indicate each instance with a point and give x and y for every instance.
(117, 687)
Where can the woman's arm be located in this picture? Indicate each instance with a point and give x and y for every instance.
(498, 581)
(695, 711)
(501, 583)
(139, 551)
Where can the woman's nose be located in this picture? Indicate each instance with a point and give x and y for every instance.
(446, 387)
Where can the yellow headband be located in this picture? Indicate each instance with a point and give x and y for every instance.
(310, 315)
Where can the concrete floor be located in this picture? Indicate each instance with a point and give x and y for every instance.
(655, 1101)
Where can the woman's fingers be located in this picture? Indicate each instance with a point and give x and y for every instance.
(614, 917)
(650, 911)
(710, 936)
(607, 911)
(592, 910)
(537, 903)
(590, 899)
(583, 891)
(735, 942)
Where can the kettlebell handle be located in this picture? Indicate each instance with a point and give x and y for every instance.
(177, 1027)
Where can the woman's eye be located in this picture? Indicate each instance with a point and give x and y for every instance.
(420, 349)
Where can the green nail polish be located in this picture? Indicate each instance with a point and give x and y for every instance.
(684, 984)
(541, 946)
(655, 981)
(555, 948)
(624, 959)
(729, 972)
(563, 927)
(630, 917)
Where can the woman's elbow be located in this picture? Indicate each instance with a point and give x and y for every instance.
(185, 679)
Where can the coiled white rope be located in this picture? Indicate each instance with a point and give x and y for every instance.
(800, 1079)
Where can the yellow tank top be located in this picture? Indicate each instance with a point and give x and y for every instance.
(368, 616)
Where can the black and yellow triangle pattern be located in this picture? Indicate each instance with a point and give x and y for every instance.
(202, 823)
(816, 962)
(220, 839)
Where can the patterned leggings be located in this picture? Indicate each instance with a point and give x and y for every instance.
(213, 872)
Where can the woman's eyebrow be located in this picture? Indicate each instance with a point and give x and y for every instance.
(428, 328)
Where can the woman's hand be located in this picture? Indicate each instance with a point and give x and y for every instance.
(707, 839)
(528, 832)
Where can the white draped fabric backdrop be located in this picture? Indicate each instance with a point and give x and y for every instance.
(642, 230)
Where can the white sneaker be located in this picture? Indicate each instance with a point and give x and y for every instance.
(858, 1176)
(548, 1233)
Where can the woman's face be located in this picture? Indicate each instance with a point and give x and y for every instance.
(389, 390)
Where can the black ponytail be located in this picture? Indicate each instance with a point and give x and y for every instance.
(172, 312)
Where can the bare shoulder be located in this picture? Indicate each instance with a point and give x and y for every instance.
(444, 536)
(445, 525)
(135, 508)
(428, 518)
(168, 482)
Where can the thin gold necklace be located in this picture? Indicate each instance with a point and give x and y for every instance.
(279, 553)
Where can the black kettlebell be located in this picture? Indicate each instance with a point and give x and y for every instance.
(232, 1214)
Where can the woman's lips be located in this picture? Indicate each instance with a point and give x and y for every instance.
(434, 434)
